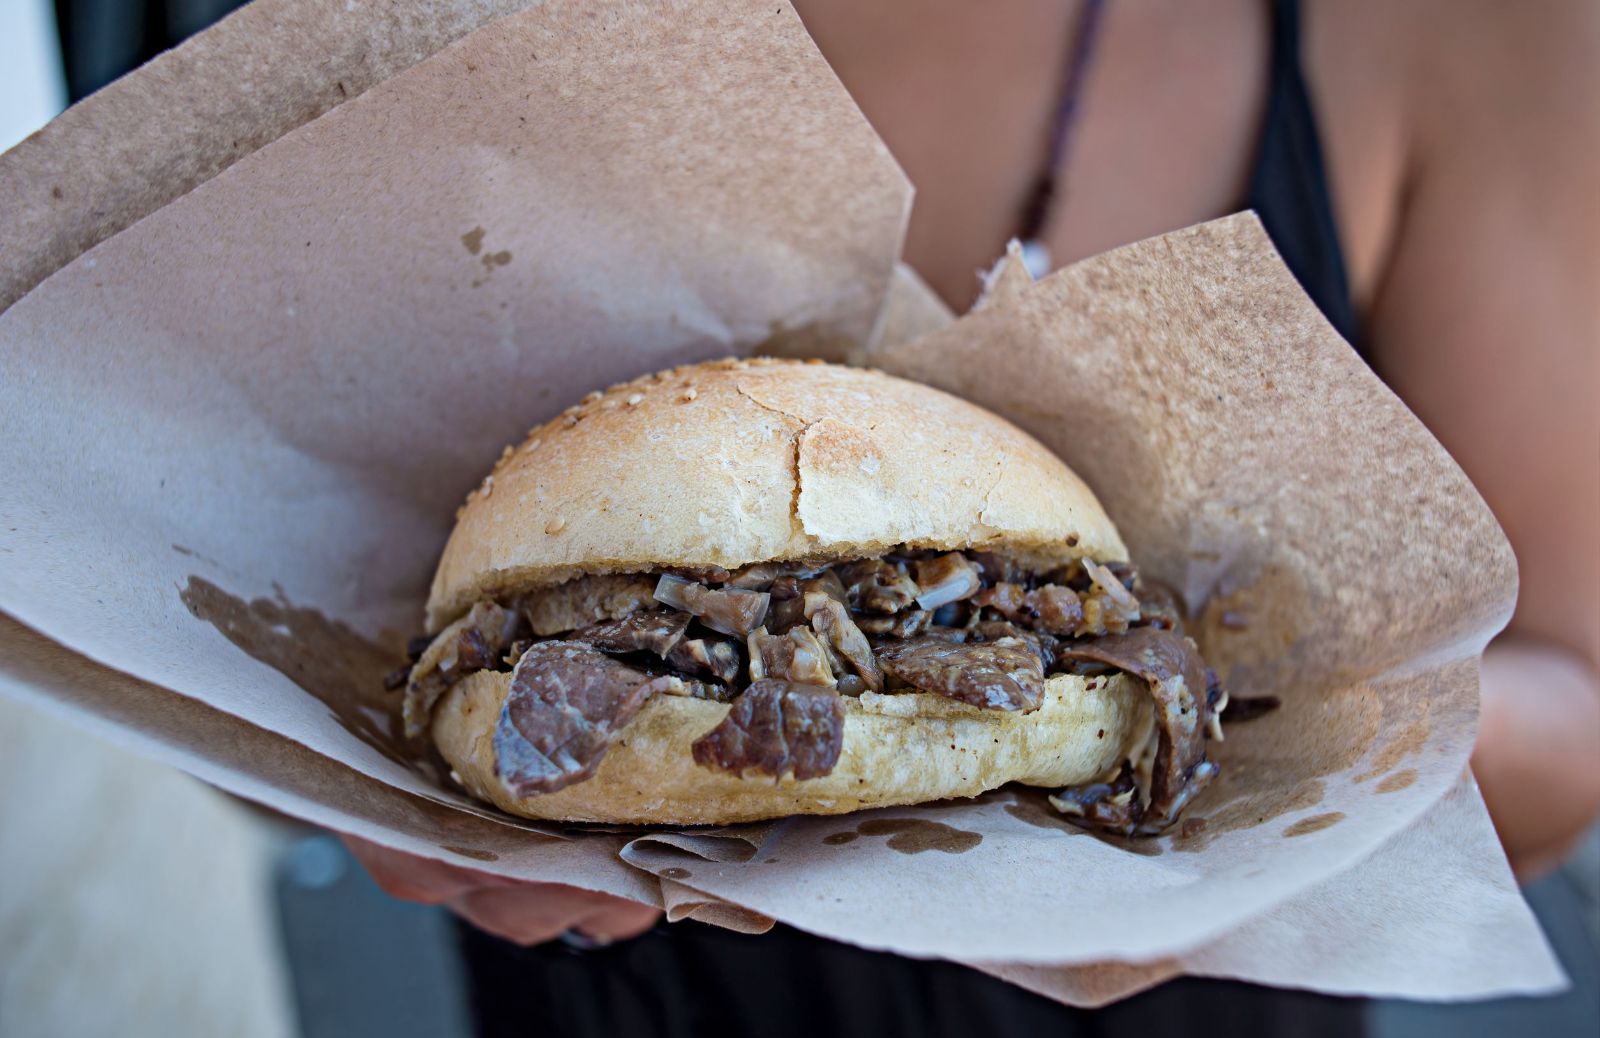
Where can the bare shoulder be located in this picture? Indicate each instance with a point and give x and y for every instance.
(1466, 87)
(1484, 318)
(1517, 69)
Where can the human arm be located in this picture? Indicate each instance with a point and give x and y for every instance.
(1487, 323)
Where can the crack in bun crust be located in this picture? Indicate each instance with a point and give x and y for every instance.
(734, 462)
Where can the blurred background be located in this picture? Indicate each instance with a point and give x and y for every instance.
(137, 901)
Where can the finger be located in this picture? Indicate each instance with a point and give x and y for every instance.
(519, 916)
(412, 878)
(617, 921)
(532, 913)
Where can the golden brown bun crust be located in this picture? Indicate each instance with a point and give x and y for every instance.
(735, 462)
(904, 748)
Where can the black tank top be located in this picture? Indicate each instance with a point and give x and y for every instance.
(688, 979)
(1289, 183)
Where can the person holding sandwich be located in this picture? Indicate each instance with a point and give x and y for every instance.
(1426, 169)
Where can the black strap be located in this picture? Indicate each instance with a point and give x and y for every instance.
(1289, 184)
(1036, 210)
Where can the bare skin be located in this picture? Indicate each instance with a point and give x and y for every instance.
(1463, 147)
(524, 913)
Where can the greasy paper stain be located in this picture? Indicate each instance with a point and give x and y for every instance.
(1244, 811)
(472, 241)
(1258, 782)
(915, 835)
(1032, 806)
(836, 839)
(331, 662)
(675, 873)
(1402, 744)
(1315, 823)
(1399, 780)
(470, 852)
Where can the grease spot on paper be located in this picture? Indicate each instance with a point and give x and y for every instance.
(1398, 781)
(1405, 742)
(912, 835)
(1316, 823)
(331, 662)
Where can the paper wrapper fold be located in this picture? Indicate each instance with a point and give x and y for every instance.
(236, 432)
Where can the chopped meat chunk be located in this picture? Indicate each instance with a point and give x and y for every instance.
(996, 569)
(579, 603)
(1040, 644)
(1112, 807)
(1053, 608)
(712, 656)
(471, 643)
(567, 704)
(795, 656)
(656, 631)
(774, 728)
(760, 576)
(946, 578)
(999, 675)
(1159, 606)
(827, 583)
(876, 586)
(732, 611)
(831, 620)
(903, 624)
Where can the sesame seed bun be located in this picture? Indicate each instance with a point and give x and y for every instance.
(735, 462)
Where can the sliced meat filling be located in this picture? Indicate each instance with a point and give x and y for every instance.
(904, 624)
(472, 643)
(1185, 703)
(832, 622)
(783, 640)
(657, 631)
(877, 586)
(1040, 644)
(709, 656)
(1111, 807)
(664, 633)
(775, 728)
(579, 603)
(1000, 675)
(567, 705)
(731, 610)
(795, 656)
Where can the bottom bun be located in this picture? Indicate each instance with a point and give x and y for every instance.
(904, 748)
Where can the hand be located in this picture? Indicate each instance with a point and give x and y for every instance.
(516, 910)
(1538, 754)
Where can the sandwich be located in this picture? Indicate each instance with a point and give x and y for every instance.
(748, 589)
